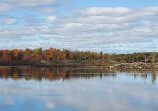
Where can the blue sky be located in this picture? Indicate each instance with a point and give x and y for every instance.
(114, 3)
(111, 26)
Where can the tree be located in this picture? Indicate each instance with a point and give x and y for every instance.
(52, 54)
(27, 55)
(66, 54)
(37, 54)
(1, 55)
(6, 55)
(17, 54)
(153, 57)
(101, 54)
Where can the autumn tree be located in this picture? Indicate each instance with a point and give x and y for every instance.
(1, 55)
(6, 55)
(37, 54)
(17, 54)
(27, 55)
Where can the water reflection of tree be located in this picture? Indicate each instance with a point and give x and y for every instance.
(53, 74)
(154, 76)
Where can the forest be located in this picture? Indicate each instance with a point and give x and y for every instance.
(53, 54)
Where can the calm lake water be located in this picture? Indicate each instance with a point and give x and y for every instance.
(77, 89)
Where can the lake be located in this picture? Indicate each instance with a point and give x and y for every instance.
(77, 89)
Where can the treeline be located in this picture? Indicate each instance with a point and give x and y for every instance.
(53, 54)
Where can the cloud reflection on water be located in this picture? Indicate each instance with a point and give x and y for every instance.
(111, 93)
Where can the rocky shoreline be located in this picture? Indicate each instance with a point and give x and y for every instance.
(135, 65)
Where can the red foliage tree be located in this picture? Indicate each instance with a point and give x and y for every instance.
(6, 55)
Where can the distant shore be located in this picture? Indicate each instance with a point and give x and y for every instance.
(134, 65)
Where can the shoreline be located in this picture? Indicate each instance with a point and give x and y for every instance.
(118, 66)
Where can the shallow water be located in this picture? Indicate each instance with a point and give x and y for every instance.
(77, 89)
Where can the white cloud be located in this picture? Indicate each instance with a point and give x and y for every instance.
(105, 11)
(50, 105)
(110, 15)
(46, 6)
(51, 19)
(91, 28)
(9, 21)
(6, 7)
(46, 10)
(30, 2)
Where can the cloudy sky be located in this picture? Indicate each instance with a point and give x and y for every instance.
(113, 26)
